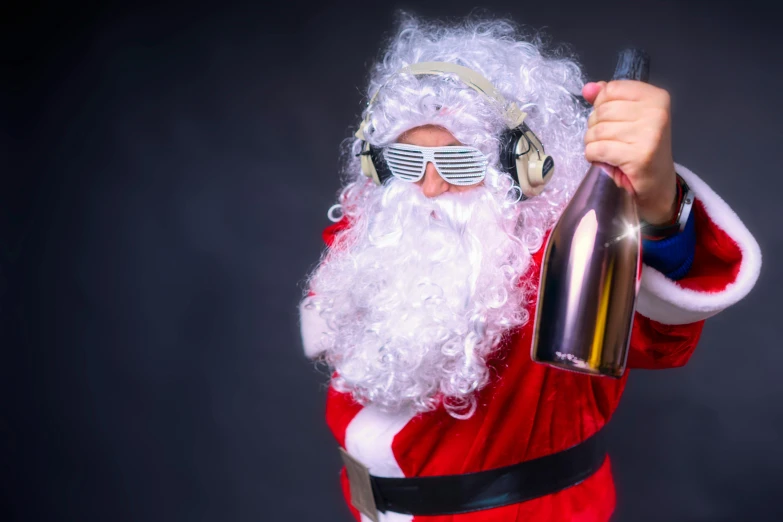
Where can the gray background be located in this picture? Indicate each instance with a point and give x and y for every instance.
(166, 176)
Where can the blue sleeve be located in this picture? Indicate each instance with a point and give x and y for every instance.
(672, 256)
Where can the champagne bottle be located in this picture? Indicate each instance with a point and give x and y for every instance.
(591, 269)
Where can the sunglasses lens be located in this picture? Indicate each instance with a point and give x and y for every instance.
(461, 165)
(406, 164)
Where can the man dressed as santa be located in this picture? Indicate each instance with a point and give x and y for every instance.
(423, 305)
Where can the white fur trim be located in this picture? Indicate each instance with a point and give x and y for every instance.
(390, 516)
(313, 327)
(369, 438)
(663, 300)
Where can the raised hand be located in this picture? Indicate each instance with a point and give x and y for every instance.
(629, 131)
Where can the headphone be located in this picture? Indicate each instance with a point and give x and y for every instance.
(522, 154)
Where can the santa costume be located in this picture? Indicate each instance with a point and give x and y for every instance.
(518, 411)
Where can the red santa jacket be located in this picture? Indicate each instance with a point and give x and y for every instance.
(529, 410)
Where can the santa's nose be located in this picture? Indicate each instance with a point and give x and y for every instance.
(432, 185)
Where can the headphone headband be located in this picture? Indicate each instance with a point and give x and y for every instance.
(514, 116)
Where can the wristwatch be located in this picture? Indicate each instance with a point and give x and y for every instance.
(685, 198)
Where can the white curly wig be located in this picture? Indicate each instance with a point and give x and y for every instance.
(543, 85)
(369, 349)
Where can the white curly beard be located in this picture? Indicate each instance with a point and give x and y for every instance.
(417, 293)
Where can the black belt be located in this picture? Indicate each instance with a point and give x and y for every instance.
(453, 494)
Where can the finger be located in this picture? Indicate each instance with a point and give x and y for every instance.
(591, 90)
(610, 171)
(624, 182)
(616, 110)
(619, 177)
(614, 153)
(629, 90)
(623, 131)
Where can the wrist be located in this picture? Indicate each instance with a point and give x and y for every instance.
(664, 211)
(683, 202)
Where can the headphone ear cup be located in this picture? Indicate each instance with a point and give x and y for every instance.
(368, 167)
(539, 171)
(373, 166)
(534, 168)
(508, 154)
(382, 171)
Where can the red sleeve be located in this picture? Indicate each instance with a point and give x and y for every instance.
(656, 345)
(716, 263)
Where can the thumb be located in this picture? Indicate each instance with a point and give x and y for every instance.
(591, 89)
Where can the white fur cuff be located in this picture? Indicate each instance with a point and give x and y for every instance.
(665, 301)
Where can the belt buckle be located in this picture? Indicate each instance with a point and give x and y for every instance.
(361, 487)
